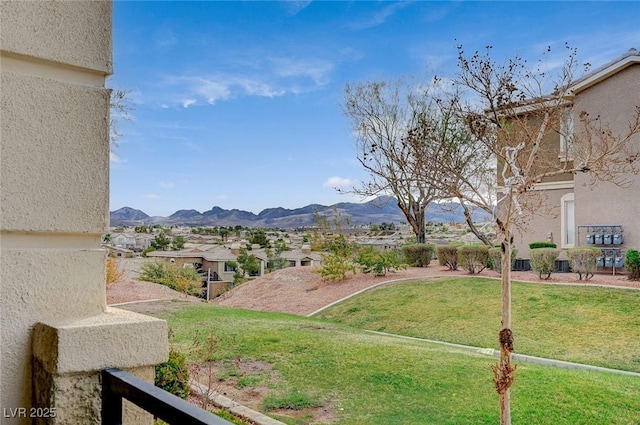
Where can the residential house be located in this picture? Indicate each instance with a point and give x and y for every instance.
(217, 261)
(123, 240)
(584, 214)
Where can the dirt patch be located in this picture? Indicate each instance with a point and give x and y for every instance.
(159, 308)
(248, 383)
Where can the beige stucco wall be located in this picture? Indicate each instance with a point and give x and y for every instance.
(54, 159)
(615, 100)
(543, 223)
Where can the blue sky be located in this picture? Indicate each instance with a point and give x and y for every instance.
(239, 104)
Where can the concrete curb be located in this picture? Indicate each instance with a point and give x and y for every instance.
(237, 409)
(490, 352)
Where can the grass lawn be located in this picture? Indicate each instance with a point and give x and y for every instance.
(372, 379)
(591, 325)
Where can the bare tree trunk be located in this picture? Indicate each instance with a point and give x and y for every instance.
(415, 216)
(503, 371)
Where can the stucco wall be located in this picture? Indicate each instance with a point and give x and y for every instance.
(615, 100)
(54, 192)
(545, 221)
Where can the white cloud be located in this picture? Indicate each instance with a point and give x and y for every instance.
(151, 196)
(294, 7)
(380, 16)
(336, 181)
(272, 77)
(166, 185)
(316, 69)
(188, 102)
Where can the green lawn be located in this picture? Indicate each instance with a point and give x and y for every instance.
(591, 325)
(372, 379)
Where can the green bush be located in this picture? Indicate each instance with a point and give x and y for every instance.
(335, 267)
(173, 375)
(448, 256)
(632, 263)
(542, 244)
(418, 255)
(473, 258)
(182, 279)
(380, 262)
(495, 258)
(543, 260)
(584, 261)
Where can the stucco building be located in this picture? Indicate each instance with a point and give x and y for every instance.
(578, 208)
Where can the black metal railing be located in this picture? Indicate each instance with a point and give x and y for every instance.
(118, 385)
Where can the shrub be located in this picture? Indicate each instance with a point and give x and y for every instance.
(379, 262)
(418, 255)
(542, 244)
(543, 260)
(495, 258)
(584, 261)
(173, 375)
(335, 267)
(473, 258)
(182, 279)
(632, 263)
(114, 274)
(448, 256)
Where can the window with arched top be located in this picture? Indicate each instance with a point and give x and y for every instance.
(568, 221)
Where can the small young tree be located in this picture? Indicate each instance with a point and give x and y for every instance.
(177, 243)
(248, 265)
(509, 110)
(161, 242)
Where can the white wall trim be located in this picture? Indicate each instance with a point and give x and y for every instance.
(547, 186)
(563, 221)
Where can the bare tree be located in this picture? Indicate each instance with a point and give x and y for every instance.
(398, 143)
(119, 108)
(465, 169)
(513, 117)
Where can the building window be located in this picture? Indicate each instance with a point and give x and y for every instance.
(568, 221)
(566, 138)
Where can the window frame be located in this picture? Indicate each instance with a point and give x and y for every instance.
(564, 224)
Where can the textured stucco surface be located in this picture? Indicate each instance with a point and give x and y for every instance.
(76, 397)
(76, 33)
(59, 183)
(546, 219)
(115, 338)
(42, 285)
(615, 100)
(54, 206)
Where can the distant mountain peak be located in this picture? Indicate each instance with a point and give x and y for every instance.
(380, 210)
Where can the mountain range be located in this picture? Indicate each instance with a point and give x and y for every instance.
(380, 210)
